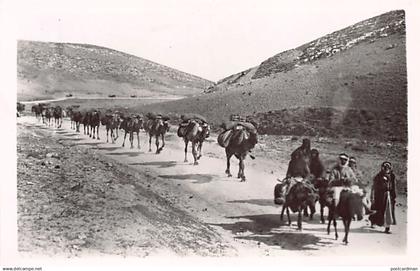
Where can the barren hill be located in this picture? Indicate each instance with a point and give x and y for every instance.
(349, 83)
(51, 70)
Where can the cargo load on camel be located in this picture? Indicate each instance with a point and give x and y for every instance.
(237, 123)
(154, 116)
(186, 119)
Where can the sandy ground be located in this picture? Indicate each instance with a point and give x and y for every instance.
(79, 196)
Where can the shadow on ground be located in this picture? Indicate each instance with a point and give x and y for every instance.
(108, 148)
(71, 139)
(87, 143)
(267, 229)
(70, 134)
(261, 202)
(354, 229)
(198, 178)
(160, 164)
(131, 154)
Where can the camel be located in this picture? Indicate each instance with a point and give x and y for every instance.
(132, 125)
(37, 109)
(86, 122)
(196, 134)
(76, 118)
(58, 116)
(94, 123)
(239, 144)
(46, 115)
(156, 126)
(111, 122)
(20, 108)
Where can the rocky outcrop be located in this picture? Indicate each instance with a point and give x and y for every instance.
(329, 45)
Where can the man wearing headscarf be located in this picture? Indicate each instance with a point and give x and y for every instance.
(383, 198)
(341, 174)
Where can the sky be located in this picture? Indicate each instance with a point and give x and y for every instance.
(208, 38)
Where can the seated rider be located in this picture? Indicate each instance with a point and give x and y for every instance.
(341, 174)
(303, 150)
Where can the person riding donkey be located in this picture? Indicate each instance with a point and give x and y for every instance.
(299, 167)
(342, 177)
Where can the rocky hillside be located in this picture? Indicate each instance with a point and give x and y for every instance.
(325, 86)
(47, 70)
(366, 31)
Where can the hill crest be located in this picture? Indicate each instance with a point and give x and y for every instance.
(52, 69)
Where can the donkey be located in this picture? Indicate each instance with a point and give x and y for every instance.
(196, 134)
(156, 127)
(296, 196)
(322, 185)
(350, 204)
(240, 143)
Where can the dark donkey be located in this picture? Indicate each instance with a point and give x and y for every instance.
(297, 196)
(94, 123)
(322, 185)
(349, 205)
(156, 127)
(196, 134)
(240, 144)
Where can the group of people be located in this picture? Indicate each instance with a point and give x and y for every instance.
(346, 174)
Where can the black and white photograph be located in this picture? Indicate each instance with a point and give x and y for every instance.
(158, 131)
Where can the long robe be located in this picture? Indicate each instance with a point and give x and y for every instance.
(383, 199)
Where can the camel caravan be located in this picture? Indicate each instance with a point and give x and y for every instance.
(49, 115)
(19, 109)
(342, 189)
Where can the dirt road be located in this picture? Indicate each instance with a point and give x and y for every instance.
(116, 200)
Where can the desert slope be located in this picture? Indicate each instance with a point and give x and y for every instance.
(351, 78)
(51, 70)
